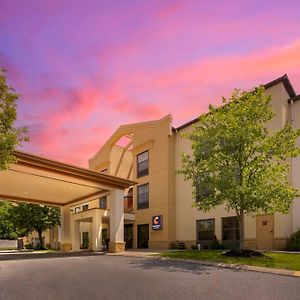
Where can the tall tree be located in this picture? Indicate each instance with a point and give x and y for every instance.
(237, 161)
(7, 230)
(10, 136)
(33, 217)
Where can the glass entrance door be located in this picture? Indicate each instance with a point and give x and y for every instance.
(128, 236)
(143, 236)
(85, 240)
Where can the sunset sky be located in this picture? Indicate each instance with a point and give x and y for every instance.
(83, 68)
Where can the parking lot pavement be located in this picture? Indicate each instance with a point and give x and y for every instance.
(120, 277)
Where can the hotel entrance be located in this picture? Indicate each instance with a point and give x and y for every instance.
(128, 236)
(143, 236)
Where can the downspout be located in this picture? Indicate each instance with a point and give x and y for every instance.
(177, 185)
(292, 163)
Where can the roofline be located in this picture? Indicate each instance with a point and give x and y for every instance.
(128, 128)
(294, 99)
(187, 124)
(286, 82)
(283, 79)
(28, 159)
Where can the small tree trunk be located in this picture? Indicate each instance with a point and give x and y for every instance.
(41, 239)
(242, 227)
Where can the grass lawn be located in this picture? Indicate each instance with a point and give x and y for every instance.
(8, 248)
(272, 259)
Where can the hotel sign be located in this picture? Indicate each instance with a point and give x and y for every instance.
(157, 223)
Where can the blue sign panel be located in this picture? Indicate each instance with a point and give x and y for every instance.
(157, 222)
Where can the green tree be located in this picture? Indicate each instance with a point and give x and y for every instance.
(10, 136)
(7, 230)
(33, 217)
(237, 161)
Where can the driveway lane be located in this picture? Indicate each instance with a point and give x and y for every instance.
(116, 277)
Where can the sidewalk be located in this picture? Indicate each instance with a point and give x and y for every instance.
(154, 255)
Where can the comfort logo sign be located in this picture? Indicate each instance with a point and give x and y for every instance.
(157, 223)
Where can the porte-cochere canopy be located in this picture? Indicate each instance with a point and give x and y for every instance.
(40, 180)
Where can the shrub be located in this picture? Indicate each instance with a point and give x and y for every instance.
(177, 245)
(294, 241)
(174, 245)
(28, 246)
(215, 245)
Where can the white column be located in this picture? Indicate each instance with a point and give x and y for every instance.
(65, 220)
(75, 233)
(116, 243)
(61, 227)
(96, 231)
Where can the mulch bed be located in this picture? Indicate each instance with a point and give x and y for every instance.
(243, 253)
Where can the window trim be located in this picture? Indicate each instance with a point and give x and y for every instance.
(137, 164)
(137, 192)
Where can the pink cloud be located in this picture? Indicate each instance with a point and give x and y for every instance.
(175, 58)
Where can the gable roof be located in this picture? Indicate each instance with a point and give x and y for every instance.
(283, 79)
(286, 82)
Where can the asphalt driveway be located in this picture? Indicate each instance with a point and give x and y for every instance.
(90, 276)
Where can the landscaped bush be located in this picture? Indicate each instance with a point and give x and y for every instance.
(294, 242)
(28, 246)
(177, 245)
(215, 245)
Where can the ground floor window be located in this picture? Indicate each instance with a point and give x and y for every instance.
(230, 232)
(205, 232)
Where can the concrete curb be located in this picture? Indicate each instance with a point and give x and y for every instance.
(282, 272)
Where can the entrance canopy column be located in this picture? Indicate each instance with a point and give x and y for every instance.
(65, 228)
(96, 232)
(117, 243)
(75, 233)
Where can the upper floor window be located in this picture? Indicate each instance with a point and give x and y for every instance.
(103, 202)
(143, 164)
(77, 209)
(143, 196)
(85, 207)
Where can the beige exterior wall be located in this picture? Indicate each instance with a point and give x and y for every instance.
(156, 137)
(170, 195)
(296, 169)
(283, 224)
(50, 236)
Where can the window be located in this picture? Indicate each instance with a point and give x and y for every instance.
(230, 232)
(103, 202)
(143, 164)
(202, 187)
(85, 207)
(77, 209)
(205, 230)
(143, 196)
